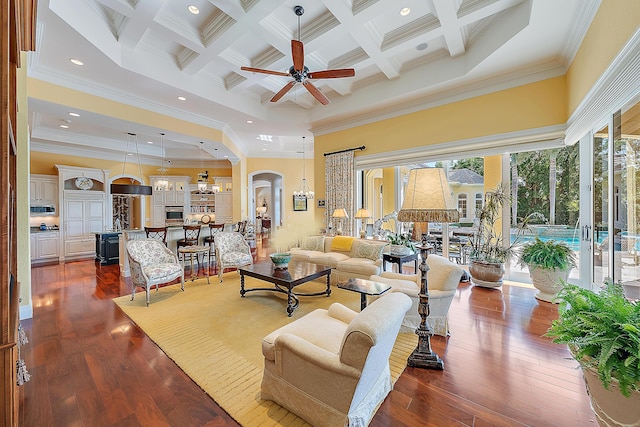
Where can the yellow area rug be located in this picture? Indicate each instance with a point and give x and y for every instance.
(215, 337)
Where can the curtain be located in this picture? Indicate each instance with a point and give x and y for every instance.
(339, 175)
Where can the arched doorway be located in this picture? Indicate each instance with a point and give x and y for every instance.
(265, 196)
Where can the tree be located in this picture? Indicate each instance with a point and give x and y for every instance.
(475, 164)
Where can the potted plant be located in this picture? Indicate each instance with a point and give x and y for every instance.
(489, 250)
(401, 244)
(549, 265)
(603, 335)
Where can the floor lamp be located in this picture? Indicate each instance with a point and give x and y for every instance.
(427, 199)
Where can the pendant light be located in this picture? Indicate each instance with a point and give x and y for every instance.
(203, 176)
(132, 189)
(303, 191)
(163, 182)
(215, 187)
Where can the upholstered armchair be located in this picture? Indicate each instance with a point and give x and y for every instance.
(331, 367)
(443, 278)
(152, 263)
(232, 251)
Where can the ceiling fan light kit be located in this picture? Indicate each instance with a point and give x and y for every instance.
(300, 73)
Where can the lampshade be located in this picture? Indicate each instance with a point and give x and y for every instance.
(362, 214)
(340, 213)
(132, 189)
(428, 198)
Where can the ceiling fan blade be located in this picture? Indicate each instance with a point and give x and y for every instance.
(332, 74)
(284, 90)
(316, 92)
(297, 53)
(260, 70)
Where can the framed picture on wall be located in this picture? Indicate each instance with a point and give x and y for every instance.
(299, 203)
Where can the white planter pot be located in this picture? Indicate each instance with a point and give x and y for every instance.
(547, 282)
(400, 250)
(486, 274)
(610, 406)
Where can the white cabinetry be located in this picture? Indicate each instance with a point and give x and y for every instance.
(176, 194)
(43, 190)
(224, 207)
(44, 246)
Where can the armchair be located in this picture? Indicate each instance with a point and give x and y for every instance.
(152, 263)
(331, 367)
(443, 278)
(232, 251)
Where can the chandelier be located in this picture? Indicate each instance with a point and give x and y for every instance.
(303, 189)
(133, 189)
(215, 187)
(163, 182)
(203, 176)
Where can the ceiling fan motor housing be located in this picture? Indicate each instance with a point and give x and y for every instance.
(299, 10)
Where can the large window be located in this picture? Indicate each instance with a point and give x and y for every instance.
(462, 205)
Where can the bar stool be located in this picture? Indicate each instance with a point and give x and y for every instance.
(213, 229)
(191, 237)
(158, 233)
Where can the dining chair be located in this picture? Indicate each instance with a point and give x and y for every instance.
(209, 240)
(158, 233)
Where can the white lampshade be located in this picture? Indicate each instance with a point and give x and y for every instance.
(428, 198)
(363, 214)
(340, 213)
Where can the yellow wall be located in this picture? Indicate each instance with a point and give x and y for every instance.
(615, 22)
(22, 183)
(525, 107)
(388, 190)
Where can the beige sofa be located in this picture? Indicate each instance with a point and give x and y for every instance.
(361, 258)
(331, 367)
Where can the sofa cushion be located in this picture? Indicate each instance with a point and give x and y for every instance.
(313, 243)
(342, 243)
(360, 266)
(330, 258)
(304, 255)
(408, 287)
(364, 249)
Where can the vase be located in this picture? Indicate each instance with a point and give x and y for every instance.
(486, 274)
(610, 406)
(547, 282)
(400, 250)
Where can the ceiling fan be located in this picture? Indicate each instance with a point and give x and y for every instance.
(300, 72)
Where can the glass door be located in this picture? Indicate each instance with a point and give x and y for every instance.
(601, 246)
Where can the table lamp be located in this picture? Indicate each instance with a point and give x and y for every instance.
(362, 214)
(340, 214)
(427, 199)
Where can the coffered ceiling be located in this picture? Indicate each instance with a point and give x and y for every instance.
(147, 53)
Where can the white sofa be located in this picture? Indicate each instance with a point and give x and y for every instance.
(443, 278)
(361, 259)
(331, 367)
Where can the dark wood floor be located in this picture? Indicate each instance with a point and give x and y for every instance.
(91, 366)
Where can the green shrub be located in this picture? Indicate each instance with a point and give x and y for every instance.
(549, 255)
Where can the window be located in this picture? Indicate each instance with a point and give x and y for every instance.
(462, 205)
(479, 199)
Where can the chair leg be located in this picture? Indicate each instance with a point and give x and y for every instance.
(133, 291)
(147, 288)
(182, 281)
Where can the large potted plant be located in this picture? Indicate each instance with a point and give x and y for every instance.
(602, 332)
(401, 244)
(489, 250)
(549, 264)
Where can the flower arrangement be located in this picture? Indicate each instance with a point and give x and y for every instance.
(401, 239)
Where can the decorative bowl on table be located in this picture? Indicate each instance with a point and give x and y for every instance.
(280, 260)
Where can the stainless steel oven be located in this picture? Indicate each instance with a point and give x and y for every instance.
(174, 215)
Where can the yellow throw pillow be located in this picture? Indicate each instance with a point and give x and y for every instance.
(342, 243)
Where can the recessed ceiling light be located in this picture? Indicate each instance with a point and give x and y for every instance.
(182, 98)
(74, 114)
(149, 142)
(264, 149)
(64, 126)
(76, 61)
(265, 138)
(249, 121)
(405, 11)
(193, 9)
(422, 46)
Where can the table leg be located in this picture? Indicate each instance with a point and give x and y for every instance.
(363, 301)
(289, 303)
(242, 285)
(329, 284)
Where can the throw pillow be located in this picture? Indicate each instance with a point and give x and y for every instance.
(313, 243)
(342, 243)
(368, 250)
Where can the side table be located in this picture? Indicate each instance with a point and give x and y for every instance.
(364, 287)
(399, 259)
(197, 251)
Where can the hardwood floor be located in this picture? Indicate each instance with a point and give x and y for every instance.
(91, 366)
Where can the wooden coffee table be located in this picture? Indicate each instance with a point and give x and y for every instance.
(285, 280)
(364, 287)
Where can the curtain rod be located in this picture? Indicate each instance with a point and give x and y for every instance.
(362, 147)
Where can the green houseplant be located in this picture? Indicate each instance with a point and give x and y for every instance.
(489, 250)
(549, 264)
(401, 243)
(602, 331)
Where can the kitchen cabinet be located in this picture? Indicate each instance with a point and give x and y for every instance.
(224, 207)
(43, 190)
(108, 248)
(176, 194)
(83, 217)
(45, 246)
